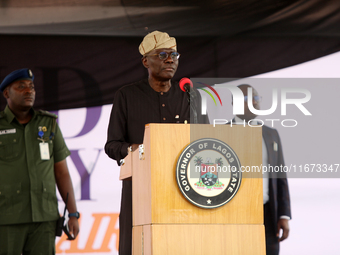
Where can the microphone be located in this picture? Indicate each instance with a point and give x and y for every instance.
(185, 84)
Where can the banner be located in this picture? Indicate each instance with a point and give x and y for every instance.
(95, 180)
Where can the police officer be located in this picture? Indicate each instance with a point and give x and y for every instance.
(32, 162)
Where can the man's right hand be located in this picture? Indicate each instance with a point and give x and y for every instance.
(134, 146)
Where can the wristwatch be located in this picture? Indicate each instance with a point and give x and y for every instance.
(75, 214)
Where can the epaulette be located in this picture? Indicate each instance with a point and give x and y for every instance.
(2, 114)
(46, 113)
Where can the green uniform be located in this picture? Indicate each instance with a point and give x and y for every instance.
(27, 183)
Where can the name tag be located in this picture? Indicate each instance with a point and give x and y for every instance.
(8, 131)
(44, 151)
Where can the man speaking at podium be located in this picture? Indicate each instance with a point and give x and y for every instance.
(156, 99)
(276, 199)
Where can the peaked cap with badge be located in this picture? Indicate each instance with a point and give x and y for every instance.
(156, 40)
(20, 74)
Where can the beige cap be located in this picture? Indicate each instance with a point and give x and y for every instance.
(156, 40)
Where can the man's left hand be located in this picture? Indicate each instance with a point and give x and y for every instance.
(73, 227)
(284, 225)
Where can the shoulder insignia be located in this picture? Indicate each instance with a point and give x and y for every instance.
(49, 114)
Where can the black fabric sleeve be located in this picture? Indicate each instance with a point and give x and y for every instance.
(116, 145)
(283, 197)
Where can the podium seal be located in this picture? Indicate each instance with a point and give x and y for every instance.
(208, 173)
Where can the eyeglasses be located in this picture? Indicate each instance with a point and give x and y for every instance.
(164, 55)
(255, 98)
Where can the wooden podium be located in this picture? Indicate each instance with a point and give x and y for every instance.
(166, 223)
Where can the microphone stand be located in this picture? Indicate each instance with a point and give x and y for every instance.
(191, 100)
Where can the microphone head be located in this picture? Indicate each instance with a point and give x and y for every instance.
(185, 82)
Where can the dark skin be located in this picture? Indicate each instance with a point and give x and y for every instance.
(64, 184)
(282, 224)
(160, 72)
(20, 96)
